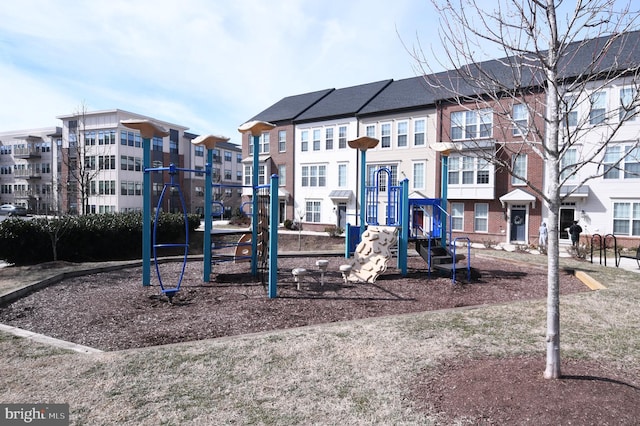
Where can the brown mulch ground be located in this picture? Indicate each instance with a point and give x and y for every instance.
(113, 311)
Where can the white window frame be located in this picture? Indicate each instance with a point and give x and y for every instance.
(520, 117)
(304, 140)
(472, 124)
(385, 135)
(480, 220)
(342, 175)
(282, 140)
(630, 217)
(419, 129)
(598, 108)
(418, 171)
(457, 216)
(519, 164)
(342, 137)
(317, 135)
(402, 134)
(569, 164)
(313, 211)
(628, 105)
(328, 138)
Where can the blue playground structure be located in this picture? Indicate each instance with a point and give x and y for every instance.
(263, 212)
(421, 220)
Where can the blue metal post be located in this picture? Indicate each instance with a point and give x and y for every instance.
(273, 238)
(254, 207)
(146, 212)
(443, 204)
(403, 244)
(208, 181)
(363, 190)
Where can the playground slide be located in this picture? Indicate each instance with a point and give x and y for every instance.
(373, 253)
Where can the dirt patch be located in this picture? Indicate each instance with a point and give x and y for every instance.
(113, 311)
(513, 391)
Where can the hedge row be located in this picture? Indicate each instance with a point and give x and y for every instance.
(100, 237)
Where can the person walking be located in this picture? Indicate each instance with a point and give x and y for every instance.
(543, 237)
(574, 231)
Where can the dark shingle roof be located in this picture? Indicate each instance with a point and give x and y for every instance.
(401, 94)
(508, 73)
(343, 102)
(290, 107)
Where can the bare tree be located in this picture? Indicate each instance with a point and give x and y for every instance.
(80, 161)
(556, 59)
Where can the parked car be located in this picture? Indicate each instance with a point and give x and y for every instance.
(11, 210)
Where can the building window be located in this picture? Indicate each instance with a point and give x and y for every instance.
(342, 175)
(457, 216)
(614, 162)
(238, 158)
(316, 139)
(282, 140)
(520, 120)
(519, 168)
(261, 174)
(568, 164)
(90, 138)
(597, 115)
(403, 127)
(570, 111)
(628, 104)
(314, 176)
(370, 131)
(342, 137)
(247, 175)
(227, 156)
(157, 144)
(282, 175)
(239, 176)
(482, 173)
(328, 138)
(626, 218)
(385, 135)
(466, 170)
(304, 141)
(199, 151)
(312, 213)
(418, 175)
(632, 163)
(472, 124)
(227, 174)
(481, 217)
(418, 132)
(265, 145)
(382, 177)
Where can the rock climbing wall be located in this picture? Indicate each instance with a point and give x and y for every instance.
(373, 253)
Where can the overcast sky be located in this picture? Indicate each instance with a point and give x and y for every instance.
(207, 64)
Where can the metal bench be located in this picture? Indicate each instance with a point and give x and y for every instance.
(635, 256)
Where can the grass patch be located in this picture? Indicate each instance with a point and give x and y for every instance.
(342, 373)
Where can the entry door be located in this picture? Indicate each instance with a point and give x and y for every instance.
(342, 216)
(281, 212)
(518, 224)
(566, 220)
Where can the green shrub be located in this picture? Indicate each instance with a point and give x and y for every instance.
(97, 237)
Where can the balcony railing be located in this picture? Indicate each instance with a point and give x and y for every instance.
(26, 153)
(27, 174)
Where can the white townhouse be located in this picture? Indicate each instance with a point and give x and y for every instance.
(326, 169)
(609, 203)
(403, 118)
